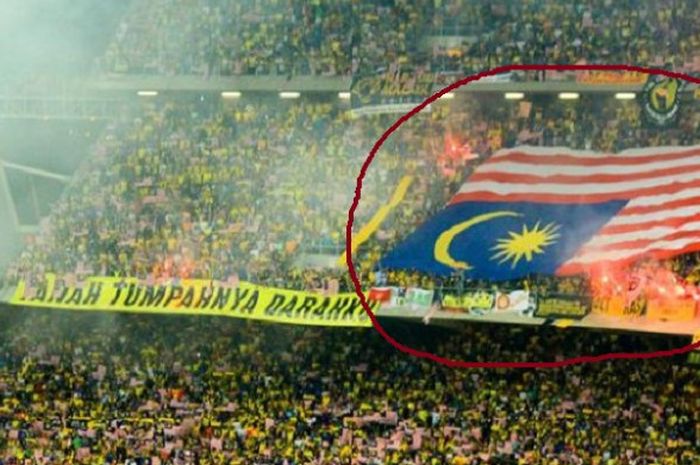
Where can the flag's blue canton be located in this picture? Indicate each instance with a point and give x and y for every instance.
(500, 240)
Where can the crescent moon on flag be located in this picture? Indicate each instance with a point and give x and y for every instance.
(444, 241)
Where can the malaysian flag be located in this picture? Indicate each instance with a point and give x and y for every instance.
(561, 211)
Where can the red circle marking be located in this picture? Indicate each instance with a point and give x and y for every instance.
(356, 200)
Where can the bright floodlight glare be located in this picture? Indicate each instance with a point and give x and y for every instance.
(514, 95)
(147, 93)
(448, 96)
(290, 94)
(230, 94)
(569, 95)
(625, 95)
(344, 95)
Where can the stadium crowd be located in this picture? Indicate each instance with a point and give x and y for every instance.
(247, 189)
(108, 388)
(201, 190)
(217, 190)
(293, 37)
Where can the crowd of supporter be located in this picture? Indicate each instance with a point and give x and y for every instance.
(224, 37)
(538, 31)
(108, 388)
(257, 189)
(197, 190)
(181, 193)
(293, 37)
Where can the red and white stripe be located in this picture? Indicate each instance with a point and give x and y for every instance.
(661, 219)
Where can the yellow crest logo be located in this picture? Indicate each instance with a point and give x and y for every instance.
(662, 99)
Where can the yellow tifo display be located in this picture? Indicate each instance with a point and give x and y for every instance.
(373, 224)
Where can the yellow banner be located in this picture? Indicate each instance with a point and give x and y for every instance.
(671, 309)
(611, 77)
(199, 297)
(477, 300)
(617, 306)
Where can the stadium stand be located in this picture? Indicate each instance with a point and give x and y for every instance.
(237, 190)
(206, 192)
(204, 37)
(176, 390)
